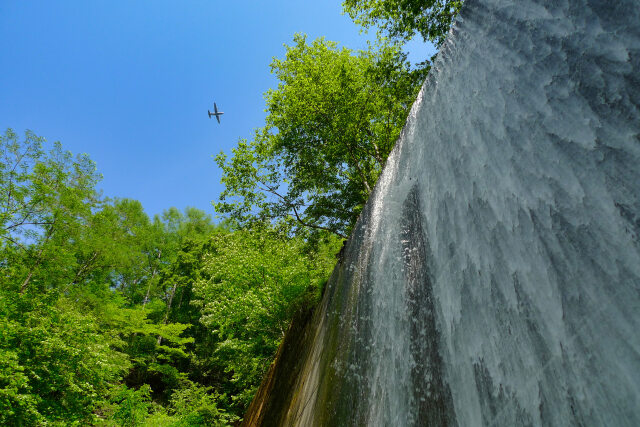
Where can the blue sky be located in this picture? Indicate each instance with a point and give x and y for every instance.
(130, 82)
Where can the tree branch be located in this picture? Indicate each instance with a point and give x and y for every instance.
(295, 212)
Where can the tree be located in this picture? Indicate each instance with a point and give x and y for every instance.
(250, 285)
(182, 233)
(331, 124)
(56, 365)
(44, 199)
(73, 271)
(402, 19)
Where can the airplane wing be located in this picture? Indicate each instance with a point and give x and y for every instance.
(218, 118)
(215, 109)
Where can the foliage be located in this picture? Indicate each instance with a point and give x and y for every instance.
(402, 19)
(195, 405)
(18, 403)
(249, 308)
(44, 199)
(331, 124)
(132, 406)
(58, 361)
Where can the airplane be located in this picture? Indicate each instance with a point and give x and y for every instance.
(215, 113)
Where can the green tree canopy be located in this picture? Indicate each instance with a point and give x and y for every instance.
(45, 197)
(249, 287)
(331, 124)
(402, 19)
(108, 317)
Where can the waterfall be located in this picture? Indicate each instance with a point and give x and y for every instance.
(494, 276)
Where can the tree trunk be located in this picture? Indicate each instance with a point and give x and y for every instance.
(166, 314)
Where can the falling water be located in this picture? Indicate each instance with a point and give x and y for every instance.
(494, 276)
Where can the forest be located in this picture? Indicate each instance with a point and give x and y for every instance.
(111, 317)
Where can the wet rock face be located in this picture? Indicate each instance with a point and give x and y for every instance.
(494, 275)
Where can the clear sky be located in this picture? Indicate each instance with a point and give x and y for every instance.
(130, 82)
